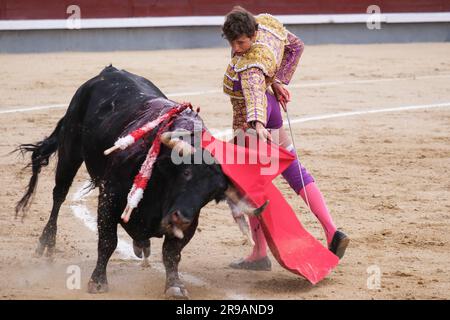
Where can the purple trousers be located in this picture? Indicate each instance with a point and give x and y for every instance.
(296, 175)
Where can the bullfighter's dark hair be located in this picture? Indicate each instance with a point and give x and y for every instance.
(239, 22)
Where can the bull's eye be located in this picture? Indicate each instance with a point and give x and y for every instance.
(187, 174)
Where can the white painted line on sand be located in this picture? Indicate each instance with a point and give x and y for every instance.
(215, 91)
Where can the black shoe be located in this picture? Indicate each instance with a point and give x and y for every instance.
(262, 264)
(339, 243)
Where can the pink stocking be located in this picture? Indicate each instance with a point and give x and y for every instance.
(319, 208)
(260, 248)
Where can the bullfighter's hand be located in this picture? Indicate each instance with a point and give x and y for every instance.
(282, 94)
(262, 132)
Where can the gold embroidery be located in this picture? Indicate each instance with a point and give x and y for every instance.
(254, 90)
(271, 24)
(259, 56)
(239, 114)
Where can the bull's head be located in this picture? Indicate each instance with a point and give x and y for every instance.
(190, 186)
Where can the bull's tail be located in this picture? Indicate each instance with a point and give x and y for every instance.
(41, 152)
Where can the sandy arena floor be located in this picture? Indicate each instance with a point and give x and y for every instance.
(385, 176)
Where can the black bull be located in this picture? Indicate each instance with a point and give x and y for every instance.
(103, 109)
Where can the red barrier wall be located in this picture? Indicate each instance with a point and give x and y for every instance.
(56, 9)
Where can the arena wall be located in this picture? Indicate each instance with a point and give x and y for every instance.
(28, 26)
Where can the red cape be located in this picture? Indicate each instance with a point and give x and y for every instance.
(293, 247)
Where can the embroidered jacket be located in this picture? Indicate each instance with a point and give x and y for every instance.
(273, 57)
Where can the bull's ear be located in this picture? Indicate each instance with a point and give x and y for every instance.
(222, 185)
(220, 197)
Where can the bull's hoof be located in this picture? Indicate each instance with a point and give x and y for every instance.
(146, 252)
(95, 287)
(49, 253)
(39, 250)
(177, 292)
(145, 263)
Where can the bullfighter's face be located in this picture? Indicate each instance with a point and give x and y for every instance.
(242, 44)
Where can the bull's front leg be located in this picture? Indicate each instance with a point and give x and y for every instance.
(172, 247)
(107, 243)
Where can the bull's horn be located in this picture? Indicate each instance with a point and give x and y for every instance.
(177, 232)
(181, 146)
(242, 204)
(259, 210)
